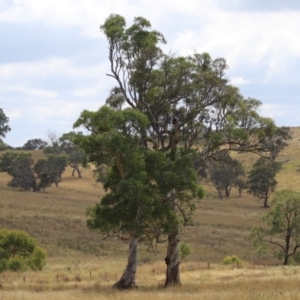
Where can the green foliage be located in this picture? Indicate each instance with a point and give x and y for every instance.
(19, 251)
(34, 144)
(50, 170)
(184, 251)
(223, 172)
(283, 232)
(229, 260)
(22, 174)
(8, 158)
(261, 179)
(138, 179)
(276, 143)
(4, 128)
(29, 176)
(65, 145)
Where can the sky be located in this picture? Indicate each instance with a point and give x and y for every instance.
(54, 58)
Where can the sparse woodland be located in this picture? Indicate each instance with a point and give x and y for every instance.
(178, 167)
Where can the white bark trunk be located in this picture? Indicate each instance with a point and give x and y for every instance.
(127, 280)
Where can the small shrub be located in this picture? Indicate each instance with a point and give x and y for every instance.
(229, 260)
(184, 251)
(19, 251)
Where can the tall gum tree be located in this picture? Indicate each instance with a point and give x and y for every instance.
(136, 181)
(190, 106)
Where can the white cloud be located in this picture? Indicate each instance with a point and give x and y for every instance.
(277, 111)
(237, 81)
(14, 114)
(259, 40)
(49, 66)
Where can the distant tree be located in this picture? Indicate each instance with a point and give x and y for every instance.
(50, 170)
(8, 158)
(29, 176)
(277, 142)
(64, 145)
(23, 175)
(19, 251)
(240, 183)
(283, 230)
(4, 128)
(261, 179)
(224, 172)
(76, 155)
(34, 144)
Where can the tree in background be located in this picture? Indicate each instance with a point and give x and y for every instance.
(261, 179)
(64, 145)
(4, 128)
(22, 173)
(34, 144)
(188, 104)
(49, 170)
(224, 172)
(19, 251)
(283, 231)
(76, 155)
(29, 176)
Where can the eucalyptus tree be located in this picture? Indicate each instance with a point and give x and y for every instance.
(262, 179)
(76, 156)
(189, 106)
(64, 145)
(136, 181)
(224, 173)
(283, 228)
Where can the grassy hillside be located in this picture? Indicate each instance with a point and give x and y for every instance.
(80, 263)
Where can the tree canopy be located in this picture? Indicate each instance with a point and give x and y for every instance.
(261, 179)
(34, 144)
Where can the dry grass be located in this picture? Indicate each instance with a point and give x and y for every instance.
(81, 265)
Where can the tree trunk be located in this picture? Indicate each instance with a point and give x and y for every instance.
(220, 194)
(266, 203)
(172, 260)
(76, 168)
(127, 281)
(227, 191)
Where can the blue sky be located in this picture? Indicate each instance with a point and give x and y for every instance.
(54, 58)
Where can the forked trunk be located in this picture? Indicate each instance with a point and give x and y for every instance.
(172, 260)
(76, 168)
(127, 281)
